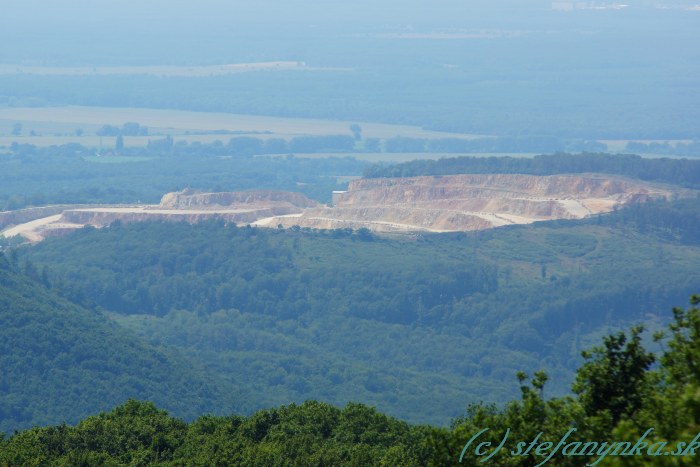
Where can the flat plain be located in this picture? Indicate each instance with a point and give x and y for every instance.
(56, 125)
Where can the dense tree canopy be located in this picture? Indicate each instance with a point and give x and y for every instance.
(60, 361)
(314, 433)
(414, 326)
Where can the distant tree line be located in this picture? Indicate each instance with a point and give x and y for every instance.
(128, 129)
(71, 173)
(684, 172)
(510, 144)
(691, 149)
(339, 143)
(678, 220)
(246, 146)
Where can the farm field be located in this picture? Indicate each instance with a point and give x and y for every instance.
(49, 123)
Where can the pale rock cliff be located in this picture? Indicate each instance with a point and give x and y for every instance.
(429, 204)
(473, 201)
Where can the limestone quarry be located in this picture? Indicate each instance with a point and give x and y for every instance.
(472, 202)
(188, 206)
(416, 204)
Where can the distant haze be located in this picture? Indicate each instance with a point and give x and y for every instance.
(48, 30)
(591, 69)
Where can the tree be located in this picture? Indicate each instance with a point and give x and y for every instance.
(672, 406)
(134, 129)
(16, 129)
(682, 360)
(119, 146)
(108, 130)
(245, 146)
(275, 146)
(365, 234)
(356, 131)
(614, 378)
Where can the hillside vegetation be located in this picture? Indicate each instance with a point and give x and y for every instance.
(618, 398)
(60, 361)
(419, 328)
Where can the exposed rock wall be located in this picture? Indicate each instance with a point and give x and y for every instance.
(473, 201)
(189, 199)
(402, 190)
(186, 206)
(436, 204)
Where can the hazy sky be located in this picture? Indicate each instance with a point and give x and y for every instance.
(638, 60)
(30, 26)
(130, 15)
(47, 30)
(74, 12)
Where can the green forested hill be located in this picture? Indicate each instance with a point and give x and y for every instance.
(418, 328)
(60, 362)
(631, 407)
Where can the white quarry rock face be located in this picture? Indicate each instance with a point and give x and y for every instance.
(414, 204)
(474, 201)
